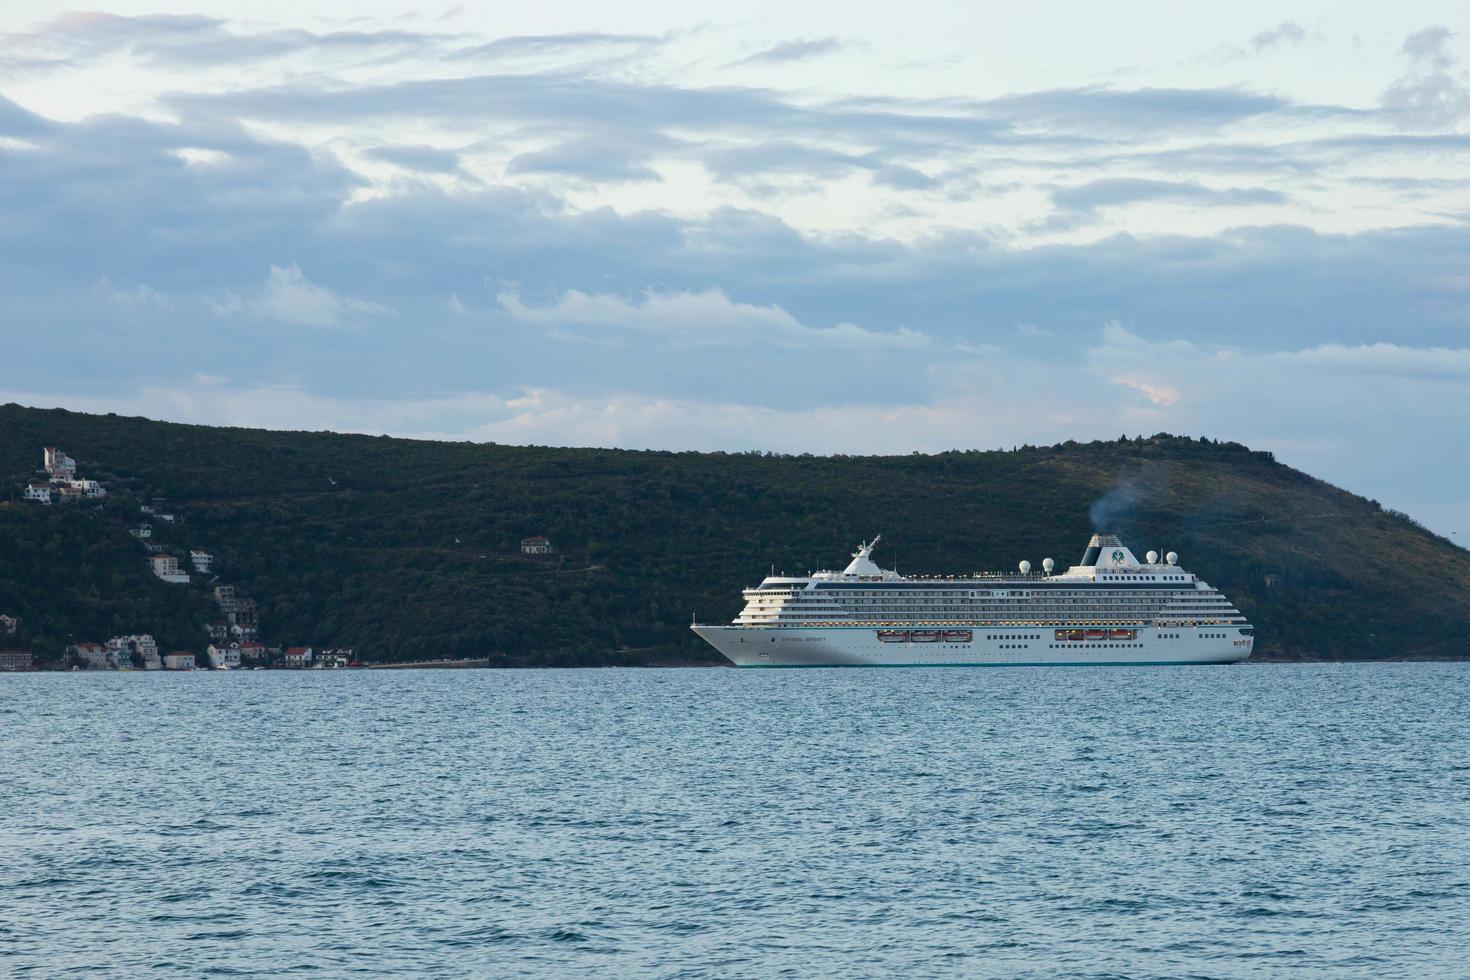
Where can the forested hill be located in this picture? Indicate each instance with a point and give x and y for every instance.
(409, 550)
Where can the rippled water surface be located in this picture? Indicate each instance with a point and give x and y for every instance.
(1144, 821)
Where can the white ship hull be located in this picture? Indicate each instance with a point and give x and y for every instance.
(1110, 608)
(1032, 646)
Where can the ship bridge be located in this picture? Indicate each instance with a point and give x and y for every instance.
(862, 566)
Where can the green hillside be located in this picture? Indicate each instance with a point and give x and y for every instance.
(408, 550)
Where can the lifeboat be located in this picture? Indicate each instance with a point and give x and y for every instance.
(1097, 634)
(924, 636)
(893, 636)
(958, 636)
(1123, 634)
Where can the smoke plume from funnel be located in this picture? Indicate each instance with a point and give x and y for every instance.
(1116, 504)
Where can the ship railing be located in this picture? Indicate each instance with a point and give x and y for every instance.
(911, 623)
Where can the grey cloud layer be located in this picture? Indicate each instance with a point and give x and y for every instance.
(266, 260)
(788, 51)
(188, 40)
(1434, 89)
(109, 198)
(1083, 201)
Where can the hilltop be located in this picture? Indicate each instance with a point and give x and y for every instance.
(410, 550)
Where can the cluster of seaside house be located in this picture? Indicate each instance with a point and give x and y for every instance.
(62, 483)
(140, 652)
(239, 618)
(16, 660)
(234, 635)
(12, 659)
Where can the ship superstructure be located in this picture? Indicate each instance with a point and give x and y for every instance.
(1110, 608)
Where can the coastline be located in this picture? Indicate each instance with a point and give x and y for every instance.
(484, 663)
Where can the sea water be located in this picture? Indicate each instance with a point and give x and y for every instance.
(1227, 821)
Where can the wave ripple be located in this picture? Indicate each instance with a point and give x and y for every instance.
(727, 823)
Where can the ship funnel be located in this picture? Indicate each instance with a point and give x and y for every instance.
(1095, 546)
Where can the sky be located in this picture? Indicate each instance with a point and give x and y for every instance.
(798, 227)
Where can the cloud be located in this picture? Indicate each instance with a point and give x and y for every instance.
(789, 51)
(1285, 33)
(1158, 394)
(608, 158)
(749, 163)
(76, 39)
(1135, 111)
(1082, 202)
(211, 231)
(1126, 190)
(18, 122)
(737, 161)
(703, 318)
(426, 159)
(191, 41)
(290, 297)
(540, 45)
(1432, 91)
(1392, 360)
(137, 295)
(1429, 48)
(570, 104)
(567, 125)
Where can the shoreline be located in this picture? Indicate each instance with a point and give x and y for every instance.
(483, 663)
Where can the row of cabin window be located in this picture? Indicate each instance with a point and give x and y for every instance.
(1089, 646)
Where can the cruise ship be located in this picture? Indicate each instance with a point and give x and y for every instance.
(1109, 608)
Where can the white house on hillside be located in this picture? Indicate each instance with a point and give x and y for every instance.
(201, 560)
(166, 567)
(39, 492)
(94, 655)
(87, 488)
(178, 660)
(59, 465)
(120, 649)
(536, 545)
(223, 656)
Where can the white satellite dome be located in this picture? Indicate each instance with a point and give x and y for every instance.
(1153, 557)
(1172, 558)
(1025, 568)
(1047, 565)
